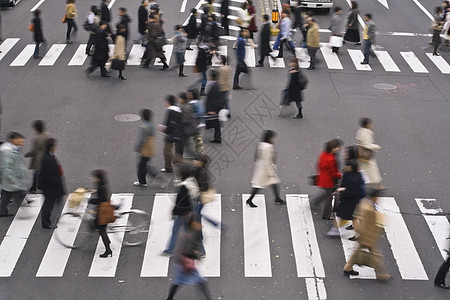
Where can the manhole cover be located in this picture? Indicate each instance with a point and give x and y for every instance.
(384, 86)
(127, 118)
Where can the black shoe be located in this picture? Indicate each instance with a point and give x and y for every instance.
(329, 218)
(237, 87)
(349, 227)
(144, 65)
(298, 117)
(6, 215)
(189, 48)
(259, 65)
(215, 141)
(122, 78)
(311, 68)
(182, 75)
(106, 254)
(442, 286)
(364, 63)
(50, 227)
(250, 203)
(165, 67)
(351, 272)
(106, 75)
(353, 238)
(280, 201)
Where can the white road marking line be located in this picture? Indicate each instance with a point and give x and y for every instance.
(384, 3)
(405, 253)
(134, 59)
(37, 5)
(154, 264)
(387, 61)
(56, 256)
(439, 225)
(440, 62)
(210, 265)
(222, 50)
(24, 56)
(17, 235)
(250, 59)
(79, 57)
(331, 58)
(167, 53)
(52, 55)
(191, 56)
(197, 7)
(7, 45)
(357, 57)
(304, 240)
(424, 9)
(111, 4)
(256, 239)
(277, 62)
(315, 289)
(414, 62)
(183, 6)
(106, 267)
(302, 57)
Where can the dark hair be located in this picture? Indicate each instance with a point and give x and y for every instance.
(193, 11)
(185, 172)
(146, 114)
(267, 136)
(93, 8)
(369, 16)
(100, 175)
(351, 152)
(337, 8)
(295, 61)
(178, 27)
(123, 9)
(223, 59)
(337, 143)
(37, 13)
(265, 17)
(250, 2)
(195, 93)
(39, 126)
(353, 164)
(15, 135)
(71, 1)
(285, 11)
(203, 158)
(212, 74)
(51, 142)
(103, 23)
(151, 16)
(364, 122)
(171, 99)
(354, 5)
(183, 96)
(438, 9)
(330, 145)
(143, 1)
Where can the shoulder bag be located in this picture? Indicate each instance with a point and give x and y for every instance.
(117, 64)
(105, 213)
(31, 27)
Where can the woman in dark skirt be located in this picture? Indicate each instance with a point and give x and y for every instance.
(352, 32)
(437, 26)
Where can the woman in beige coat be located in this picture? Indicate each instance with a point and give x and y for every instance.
(265, 172)
(119, 49)
(365, 138)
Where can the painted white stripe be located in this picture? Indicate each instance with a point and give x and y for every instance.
(155, 265)
(168, 54)
(414, 62)
(222, 50)
(183, 6)
(331, 58)
(17, 235)
(439, 225)
(440, 62)
(7, 45)
(304, 239)
(56, 256)
(106, 267)
(111, 3)
(190, 56)
(424, 9)
(210, 265)
(250, 59)
(385, 3)
(37, 5)
(79, 57)
(357, 57)
(316, 289)
(197, 7)
(134, 59)
(302, 57)
(277, 62)
(256, 239)
(52, 55)
(387, 61)
(408, 260)
(24, 56)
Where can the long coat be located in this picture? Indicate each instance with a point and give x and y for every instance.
(142, 19)
(294, 89)
(14, 173)
(312, 36)
(37, 33)
(119, 48)
(364, 137)
(101, 52)
(37, 150)
(368, 224)
(191, 28)
(353, 184)
(328, 170)
(154, 30)
(264, 40)
(265, 172)
(50, 177)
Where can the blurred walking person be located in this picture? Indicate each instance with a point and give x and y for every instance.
(119, 55)
(285, 35)
(14, 178)
(93, 22)
(101, 51)
(439, 280)
(437, 26)
(179, 47)
(51, 182)
(241, 66)
(39, 146)
(124, 20)
(312, 41)
(192, 29)
(198, 110)
(188, 125)
(224, 80)
(294, 91)
(336, 26)
(352, 32)
(264, 41)
(38, 35)
(71, 14)
(369, 38)
(142, 22)
(202, 61)
(224, 12)
(105, 13)
(265, 172)
(368, 224)
(155, 36)
(214, 103)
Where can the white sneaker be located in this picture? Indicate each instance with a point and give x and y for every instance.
(137, 183)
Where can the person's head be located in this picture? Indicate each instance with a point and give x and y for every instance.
(99, 176)
(122, 11)
(70, 1)
(268, 136)
(212, 75)
(351, 152)
(310, 20)
(146, 114)
(37, 13)
(351, 166)
(285, 13)
(51, 145)
(265, 18)
(438, 10)
(445, 3)
(194, 12)
(244, 5)
(250, 2)
(182, 98)
(121, 27)
(144, 3)
(178, 27)
(16, 139)
(201, 160)
(332, 146)
(93, 8)
(103, 24)
(185, 172)
(170, 100)
(367, 17)
(105, 1)
(338, 10)
(193, 93)
(152, 17)
(365, 123)
(354, 5)
(244, 32)
(293, 64)
(38, 126)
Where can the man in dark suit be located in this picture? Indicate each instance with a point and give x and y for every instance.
(264, 41)
(51, 183)
(225, 11)
(143, 21)
(214, 103)
(101, 52)
(192, 29)
(106, 14)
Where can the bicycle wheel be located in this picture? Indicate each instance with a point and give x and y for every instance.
(73, 232)
(136, 228)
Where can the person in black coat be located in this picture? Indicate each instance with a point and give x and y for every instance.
(214, 103)
(294, 90)
(124, 19)
(192, 29)
(106, 14)
(264, 41)
(37, 33)
(224, 12)
(143, 21)
(352, 187)
(101, 52)
(51, 183)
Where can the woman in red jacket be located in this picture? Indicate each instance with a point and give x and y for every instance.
(328, 174)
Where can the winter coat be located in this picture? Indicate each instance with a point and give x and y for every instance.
(203, 58)
(328, 171)
(312, 36)
(125, 20)
(349, 198)
(352, 19)
(188, 192)
(294, 89)
(265, 171)
(142, 19)
(37, 33)
(336, 24)
(119, 49)
(251, 11)
(365, 137)
(368, 223)
(264, 40)
(37, 150)
(50, 177)
(191, 28)
(101, 52)
(105, 13)
(71, 11)
(154, 30)
(214, 99)
(179, 42)
(14, 173)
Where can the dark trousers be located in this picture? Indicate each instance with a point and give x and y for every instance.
(312, 54)
(286, 43)
(90, 43)
(36, 49)
(367, 50)
(275, 191)
(327, 205)
(217, 133)
(225, 25)
(70, 24)
(16, 196)
(47, 208)
(104, 236)
(237, 72)
(168, 155)
(97, 64)
(143, 170)
(442, 272)
(34, 185)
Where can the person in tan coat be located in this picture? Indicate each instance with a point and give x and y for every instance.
(224, 81)
(265, 172)
(312, 41)
(119, 49)
(37, 151)
(368, 223)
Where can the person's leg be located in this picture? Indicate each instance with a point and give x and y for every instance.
(353, 260)
(177, 224)
(366, 51)
(217, 134)
(36, 50)
(33, 187)
(276, 191)
(442, 272)
(435, 49)
(312, 54)
(236, 76)
(326, 214)
(299, 105)
(69, 29)
(4, 201)
(142, 170)
(106, 241)
(168, 156)
(225, 25)
(205, 290)
(172, 290)
(253, 193)
(204, 80)
(47, 211)
(198, 138)
(280, 52)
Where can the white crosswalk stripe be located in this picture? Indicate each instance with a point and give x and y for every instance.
(24, 56)
(6, 46)
(387, 61)
(440, 63)
(79, 57)
(331, 58)
(415, 64)
(134, 59)
(52, 55)
(357, 57)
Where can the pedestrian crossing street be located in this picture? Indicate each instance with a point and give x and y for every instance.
(422, 65)
(257, 258)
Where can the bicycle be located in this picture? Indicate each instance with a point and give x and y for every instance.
(76, 227)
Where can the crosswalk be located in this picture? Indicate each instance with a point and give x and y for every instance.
(332, 60)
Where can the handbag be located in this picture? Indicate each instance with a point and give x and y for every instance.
(105, 213)
(207, 196)
(212, 121)
(159, 41)
(117, 64)
(302, 80)
(242, 67)
(336, 41)
(223, 115)
(64, 19)
(312, 180)
(187, 263)
(31, 27)
(364, 154)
